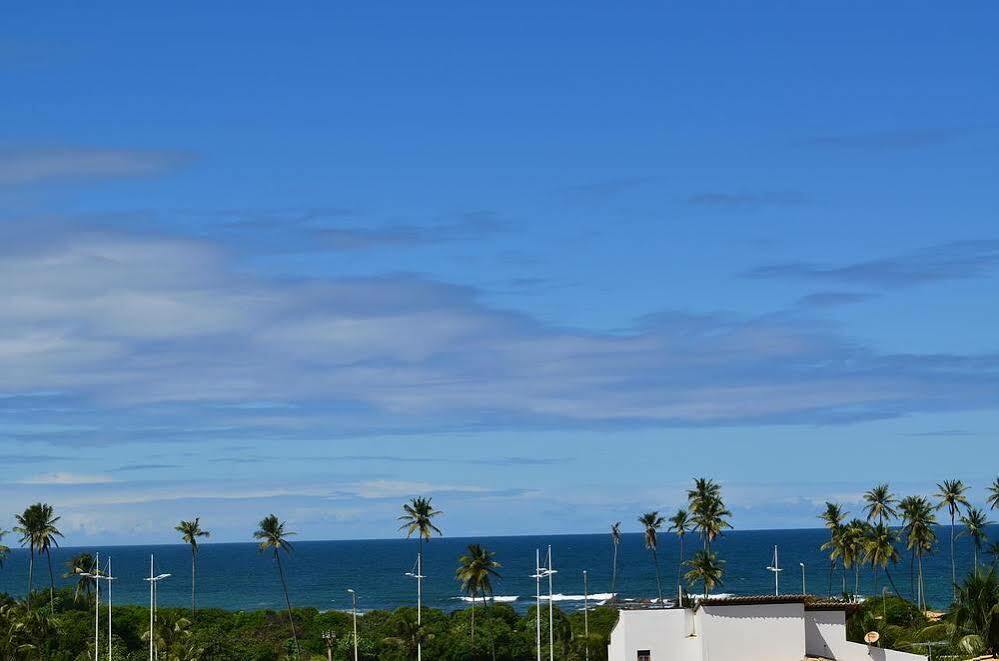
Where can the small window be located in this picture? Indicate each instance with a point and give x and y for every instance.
(644, 655)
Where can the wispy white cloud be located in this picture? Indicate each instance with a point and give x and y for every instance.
(33, 165)
(67, 479)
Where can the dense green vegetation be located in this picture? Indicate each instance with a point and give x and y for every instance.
(66, 633)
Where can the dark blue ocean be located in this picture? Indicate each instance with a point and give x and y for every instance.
(237, 577)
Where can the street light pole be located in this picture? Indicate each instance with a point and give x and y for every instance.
(803, 589)
(153, 584)
(586, 616)
(353, 596)
(775, 568)
(551, 608)
(419, 600)
(537, 576)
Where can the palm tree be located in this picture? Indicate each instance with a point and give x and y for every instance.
(975, 523)
(418, 517)
(475, 572)
(273, 537)
(191, 531)
(681, 524)
(880, 504)
(708, 510)
(76, 567)
(37, 527)
(907, 509)
(705, 568)
(833, 518)
(4, 550)
(616, 541)
(951, 495)
(853, 539)
(920, 538)
(993, 500)
(880, 550)
(993, 551)
(975, 614)
(652, 522)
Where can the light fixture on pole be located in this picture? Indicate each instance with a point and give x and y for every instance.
(353, 597)
(775, 568)
(418, 575)
(586, 616)
(153, 583)
(328, 638)
(803, 589)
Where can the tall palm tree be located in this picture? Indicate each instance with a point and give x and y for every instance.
(418, 517)
(4, 550)
(853, 539)
(975, 523)
(705, 568)
(273, 537)
(881, 550)
(37, 527)
(475, 572)
(707, 509)
(76, 567)
(881, 504)
(920, 538)
(833, 518)
(907, 510)
(652, 522)
(950, 494)
(680, 524)
(616, 541)
(993, 499)
(190, 532)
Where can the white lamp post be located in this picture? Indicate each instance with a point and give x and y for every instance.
(419, 600)
(775, 568)
(551, 607)
(803, 590)
(97, 577)
(539, 573)
(353, 597)
(153, 581)
(586, 616)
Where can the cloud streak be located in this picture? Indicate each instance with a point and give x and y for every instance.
(31, 166)
(961, 260)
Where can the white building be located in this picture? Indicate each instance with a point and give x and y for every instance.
(764, 628)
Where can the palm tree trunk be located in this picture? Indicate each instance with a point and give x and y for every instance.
(473, 616)
(31, 569)
(659, 584)
(614, 571)
(920, 599)
(287, 600)
(912, 573)
(48, 556)
(194, 563)
(892, 582)
(953, 567)
(679, 573)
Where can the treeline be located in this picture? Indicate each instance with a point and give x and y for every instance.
(65, 633)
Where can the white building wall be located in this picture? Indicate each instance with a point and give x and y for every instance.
(665, 633)
(759, 632)
(825, 635)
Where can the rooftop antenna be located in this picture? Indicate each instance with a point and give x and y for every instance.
(775, 568)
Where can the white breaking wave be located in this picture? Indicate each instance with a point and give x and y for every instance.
(597, 596)
(499, 599)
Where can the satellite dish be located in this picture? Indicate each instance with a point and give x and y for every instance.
(871, 637)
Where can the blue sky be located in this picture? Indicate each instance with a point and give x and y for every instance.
(542, 263)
